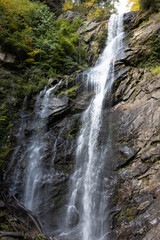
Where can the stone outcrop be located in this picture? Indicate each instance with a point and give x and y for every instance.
(70, 16)
(92, 35)
(137, 154)
(6, 58)
(136, 125)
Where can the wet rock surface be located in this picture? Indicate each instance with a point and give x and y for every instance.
(136, 126)
(63, 122)
(137, 155)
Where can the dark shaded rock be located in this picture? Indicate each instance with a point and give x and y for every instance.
(73, 217)
(82, 102)
(6, 58)
(2, 204)
(129, 20)
(52, 81)
(54, 5)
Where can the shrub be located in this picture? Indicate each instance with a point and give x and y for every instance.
(68, 5)
(30, 31)
(145, 5)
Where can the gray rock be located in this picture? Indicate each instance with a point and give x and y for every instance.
(136, 124)
(2, 204)
(7, 58)
(70, 16)
(143, 205)
(52, 81)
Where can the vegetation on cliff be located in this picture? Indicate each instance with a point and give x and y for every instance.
(144, 5)
(93, 9)
(40, 46)
(30, 31)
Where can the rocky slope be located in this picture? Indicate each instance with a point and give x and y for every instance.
(136, 124)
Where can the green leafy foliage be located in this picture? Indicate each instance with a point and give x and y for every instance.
(94, 9)
(152, 59)
(154, 56)
(156, 70)
(144, 5)
(153, 5)
(29, 30)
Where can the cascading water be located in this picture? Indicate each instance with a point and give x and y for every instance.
(34, 151)
(86, 213)
(88, 194)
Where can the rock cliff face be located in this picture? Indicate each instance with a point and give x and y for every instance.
(93, 35)
(135, 117)
(136, 125)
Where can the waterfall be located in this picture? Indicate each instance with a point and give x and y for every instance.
(86, 214)
(88, 194)
(35, 153)
(31, 152)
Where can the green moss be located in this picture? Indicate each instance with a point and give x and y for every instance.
(70, 92)
(5, 227)
(127, 214)
(145, 180)
(68, 82)
(152, 59)
(2, 214)
(130, 218)
(156, 70)
(72, 133)
(3, 154)
(121, 216)
(39, 237)
(131, 212)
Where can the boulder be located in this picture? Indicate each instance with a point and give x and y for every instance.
(70, 16)
(52, 81)
(7, 58)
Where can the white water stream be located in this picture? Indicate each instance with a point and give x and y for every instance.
(30, 173)
(87, 214)
(88, 193)
(35, 153)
